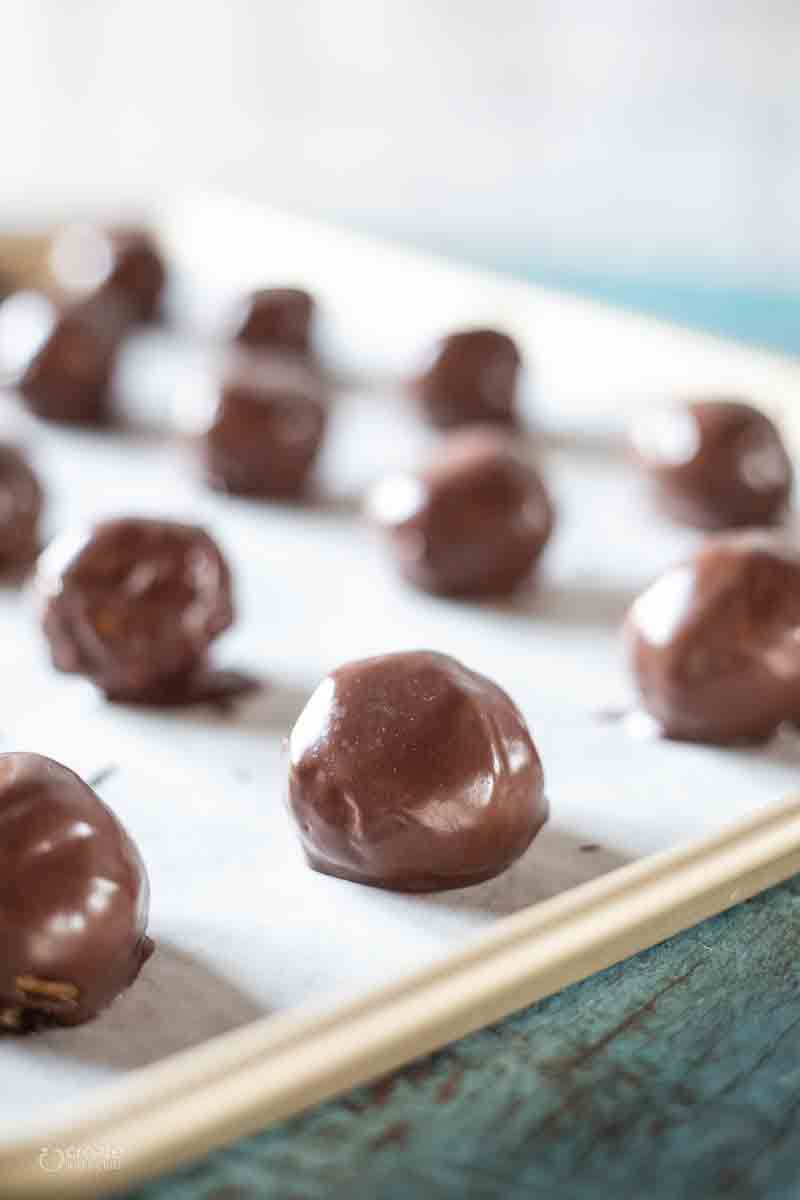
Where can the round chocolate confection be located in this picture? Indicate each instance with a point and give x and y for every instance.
(714, 643)
(277, 318)
(264, 427)
(20, 507)
(473, 522)
(75, 897)
(413, 773)
(471, 378)
(715, 464)
(88, 260)
(62, 360)
(134, 605)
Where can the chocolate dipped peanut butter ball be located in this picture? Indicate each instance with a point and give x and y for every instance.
(470, 378)
(714, 464)
(411, 772)
(260, 426)
(74, 898)
(714, 643)
(134, 604)
(20, 508)
(62, 360)
(275, 318)
(87, 260)
(474, 521)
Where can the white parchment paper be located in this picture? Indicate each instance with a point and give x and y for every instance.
(242, 927)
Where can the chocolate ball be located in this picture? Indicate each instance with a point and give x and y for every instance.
(134, 605)
(87, 260)
(714, 643)
(715, 464)
(264, 427)
(20, 507)
(75, 898)
(276, 318)
(471, 378)
(411, 772)
(473, 522)
(62, 360)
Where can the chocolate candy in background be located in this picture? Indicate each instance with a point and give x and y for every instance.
(471, 378)
(62, 360)
(411, 772)
(714, 643)
(474, 521)
(88, 259)
(134, 604)
(21, 502)
(715, 464)
(75, 898)
(263, 427)
(276, 318)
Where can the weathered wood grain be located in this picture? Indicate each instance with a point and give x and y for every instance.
(676, 1074)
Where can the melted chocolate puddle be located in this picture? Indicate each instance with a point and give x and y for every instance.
(218, 687)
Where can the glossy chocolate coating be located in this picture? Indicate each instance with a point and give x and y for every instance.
(411, 772)
(20, 507)
(471, 379)
(715, 464)
(276, 318)
(64, 371)
(714, 643)
(265, 428)
(74, 898)
(134, 605)
(89, 260)
(473, 522)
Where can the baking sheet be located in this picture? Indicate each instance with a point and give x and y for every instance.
(243, 928)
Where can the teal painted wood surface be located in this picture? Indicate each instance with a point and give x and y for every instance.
(761, 316)
(675, 1074)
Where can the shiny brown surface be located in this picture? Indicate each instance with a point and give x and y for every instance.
(277, 318)
(471, 378)
(411, 772)
(70, 372)
(138, 270)
(134, 605)
(74, 897)
(20, 507)
(90, 260)
(715, 464)
(714, 644)
(266, 428)
(474, 521)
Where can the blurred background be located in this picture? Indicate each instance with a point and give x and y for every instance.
(643, 151)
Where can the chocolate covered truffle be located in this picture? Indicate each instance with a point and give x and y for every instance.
(74, 898)
(471, 377)
(714, 464)
(715, 642)
(88, 260)
(411, 772)
(62, 360)
(134, 605)
(264, 426)
(20, 508)
(276, 318)
(473, 522)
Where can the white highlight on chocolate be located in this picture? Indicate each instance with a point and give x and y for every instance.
(313, 723)
(659, 611)
(396, 499)
(670, 437)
